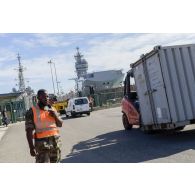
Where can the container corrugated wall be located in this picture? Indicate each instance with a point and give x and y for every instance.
(178, 67)
(165, 81)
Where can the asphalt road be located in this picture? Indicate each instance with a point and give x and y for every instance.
(101, 138)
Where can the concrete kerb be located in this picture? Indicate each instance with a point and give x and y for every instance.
(106, 107)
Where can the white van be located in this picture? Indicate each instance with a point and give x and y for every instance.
(78, 106)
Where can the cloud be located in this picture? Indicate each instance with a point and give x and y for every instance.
(45, 40)
(3, 35)
(102, 51)
(6, 55)
(7, 72)
(38, 71)
(114, 53)
(119, 52)
(30, 43)
(52, 40)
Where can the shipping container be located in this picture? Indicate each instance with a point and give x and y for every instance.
(165, 84)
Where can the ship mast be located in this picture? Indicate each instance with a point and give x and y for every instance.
(21, 82)
(81, 64)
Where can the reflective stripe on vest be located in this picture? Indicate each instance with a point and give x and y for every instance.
(45, 125)
(46, 134)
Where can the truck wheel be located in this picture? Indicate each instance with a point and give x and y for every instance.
(88, 113)
(126, 124)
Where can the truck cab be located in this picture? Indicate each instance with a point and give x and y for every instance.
(130, 105)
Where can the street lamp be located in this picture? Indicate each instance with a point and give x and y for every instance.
(50, 62)
(57, 82)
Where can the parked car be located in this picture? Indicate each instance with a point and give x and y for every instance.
(78, 106)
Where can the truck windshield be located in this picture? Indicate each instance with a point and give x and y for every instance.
(81, 101)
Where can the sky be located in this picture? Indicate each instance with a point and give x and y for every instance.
(103, 51)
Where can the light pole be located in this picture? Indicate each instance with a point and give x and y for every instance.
(57, 82)
(50, 62)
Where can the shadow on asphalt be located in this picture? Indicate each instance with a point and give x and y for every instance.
(130, 147)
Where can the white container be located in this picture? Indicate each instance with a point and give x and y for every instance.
(165, 82)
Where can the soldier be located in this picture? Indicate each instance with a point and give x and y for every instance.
(42, 122)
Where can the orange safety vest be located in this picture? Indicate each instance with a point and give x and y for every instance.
(45, 125)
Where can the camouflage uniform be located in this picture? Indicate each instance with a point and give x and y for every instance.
(48, 149)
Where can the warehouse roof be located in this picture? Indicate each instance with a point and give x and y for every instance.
(10, 95)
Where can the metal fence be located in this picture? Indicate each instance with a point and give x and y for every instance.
(15, 111)
(107, 99)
